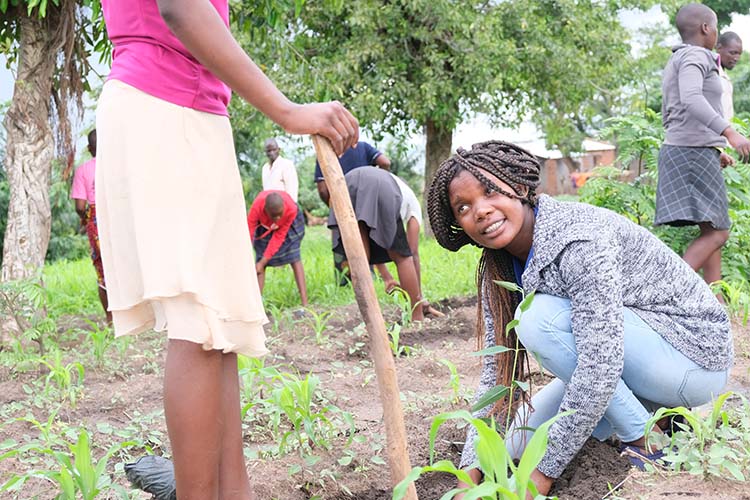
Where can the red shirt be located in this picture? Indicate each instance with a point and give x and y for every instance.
(258, 217)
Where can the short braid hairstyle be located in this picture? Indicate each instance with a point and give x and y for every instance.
(510, 163)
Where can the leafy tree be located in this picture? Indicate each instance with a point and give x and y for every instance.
(725, 8)
(50, 43)
(427, 64)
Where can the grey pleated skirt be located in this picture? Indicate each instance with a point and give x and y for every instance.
(376, 199)
(691, 188)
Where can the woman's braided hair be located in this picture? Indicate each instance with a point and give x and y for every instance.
(519, 169)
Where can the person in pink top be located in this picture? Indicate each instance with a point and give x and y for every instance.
(83, 192)
(171, 213)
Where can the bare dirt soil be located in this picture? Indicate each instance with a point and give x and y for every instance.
(126, 393)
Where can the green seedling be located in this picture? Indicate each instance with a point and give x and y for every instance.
(715, 445)
(78, 475)
(502, 478)
(394, 336)
(455, 381)
(67, 378)
(278, 313)
(101, 340)
(318, 322)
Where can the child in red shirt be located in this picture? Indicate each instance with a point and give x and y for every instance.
(277, 227)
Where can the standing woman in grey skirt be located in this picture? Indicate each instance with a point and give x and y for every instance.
(691, 188)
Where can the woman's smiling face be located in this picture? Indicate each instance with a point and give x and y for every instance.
(491, 219)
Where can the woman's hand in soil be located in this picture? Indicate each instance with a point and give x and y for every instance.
(542, 482)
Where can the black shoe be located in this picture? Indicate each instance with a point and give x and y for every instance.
(153, 474)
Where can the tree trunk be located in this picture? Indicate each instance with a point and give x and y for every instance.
(437, 149)
(29, 151)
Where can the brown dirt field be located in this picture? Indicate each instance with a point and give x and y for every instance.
(123, 399)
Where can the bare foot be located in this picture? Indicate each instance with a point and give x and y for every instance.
(431, 312)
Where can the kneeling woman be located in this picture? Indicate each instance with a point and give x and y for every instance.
(622, 321)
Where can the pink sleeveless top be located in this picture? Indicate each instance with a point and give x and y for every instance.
(150, 58)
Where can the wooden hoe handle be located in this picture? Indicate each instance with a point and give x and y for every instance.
(364, 291)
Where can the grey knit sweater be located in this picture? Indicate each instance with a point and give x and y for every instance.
(601, 261)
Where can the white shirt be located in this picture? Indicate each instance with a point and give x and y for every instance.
(727, 94)
(282, 177)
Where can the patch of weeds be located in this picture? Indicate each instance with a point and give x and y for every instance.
(142, 431)
(278, 316)
(716, 445)
(101, 339)
(736, 296)
(292, 409)
(23, 304)
(64, 378)
(75, 473)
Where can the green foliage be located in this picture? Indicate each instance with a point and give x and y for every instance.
(101, 339)
(293, 409)
(65, 378)
(640, 137)
(317, 259)
(725, 8)
(714, 445)
(25, 301)
(318, 321)
(455, 380)
(394, 336)
(740, 76)
(400, 65)
(503, 479)
(77, 476)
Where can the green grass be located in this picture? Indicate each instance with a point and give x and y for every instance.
(72, 287)
(72, 284)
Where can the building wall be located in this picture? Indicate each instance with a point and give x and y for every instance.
(559, 176)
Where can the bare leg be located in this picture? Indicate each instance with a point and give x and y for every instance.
(299, 277)
(193, 404)
(261, 279)
(407, 275)
(233, 480)
(712, 267)
(700, 253)
(105, 304)
(412, 237)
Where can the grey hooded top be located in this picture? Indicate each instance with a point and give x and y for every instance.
(691, 109)
(603, 262)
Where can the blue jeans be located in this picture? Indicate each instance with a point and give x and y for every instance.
(654, 375)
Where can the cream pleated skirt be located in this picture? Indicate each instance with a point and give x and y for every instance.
(172, 226)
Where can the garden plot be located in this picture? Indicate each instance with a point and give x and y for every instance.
(331, 448)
